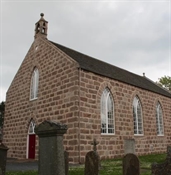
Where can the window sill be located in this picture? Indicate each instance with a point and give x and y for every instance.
(161, 135)
(34, 99)
(106, 134)
(139, 135)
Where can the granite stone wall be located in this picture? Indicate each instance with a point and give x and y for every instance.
(57, 98)
(72, 96)
(111, 146)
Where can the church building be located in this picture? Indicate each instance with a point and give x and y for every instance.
(95, 99)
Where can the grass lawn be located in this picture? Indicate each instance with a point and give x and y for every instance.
(110, 167)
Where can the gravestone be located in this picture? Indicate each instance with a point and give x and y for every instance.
(51, 151)
(168, 152)
(163, 168)
(1, 135)
(131, 165)
(129, 146)
(3, 158)
(92, 161)
(66, 156)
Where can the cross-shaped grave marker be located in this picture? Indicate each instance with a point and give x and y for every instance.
(94, 143)
(92, 160)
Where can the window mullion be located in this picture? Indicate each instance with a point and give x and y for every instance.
(106, 100)
(158, 117)
(35, 83)
(137, 118)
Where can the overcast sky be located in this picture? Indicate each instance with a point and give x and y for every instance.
(131, 34)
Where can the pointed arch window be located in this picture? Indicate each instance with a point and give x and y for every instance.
(137, 116)
(159, 119)
(107, 113)
(31, 127)
(34, 84)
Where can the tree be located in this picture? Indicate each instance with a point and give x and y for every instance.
(2, 111)
(165, 82)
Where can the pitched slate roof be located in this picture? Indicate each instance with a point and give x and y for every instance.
(99, 67)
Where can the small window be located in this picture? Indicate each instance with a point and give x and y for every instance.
(137, 116)
(31, 127)
(34, 84)
(36, 48)
(159, 119)
(107, 113)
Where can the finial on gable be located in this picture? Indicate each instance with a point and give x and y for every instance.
(41, 27)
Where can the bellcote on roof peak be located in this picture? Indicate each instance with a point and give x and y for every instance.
(41, 27)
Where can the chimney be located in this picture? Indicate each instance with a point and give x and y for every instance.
(41, 27)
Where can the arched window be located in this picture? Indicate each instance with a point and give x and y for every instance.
(107, 113)
(159, 119)
(31, 127)
(137, 116)
(34, 84)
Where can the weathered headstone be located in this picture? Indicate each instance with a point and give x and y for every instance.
(129, 146)
(1, 135)
(51, 151)
(92, 161)
(3, 158)
(66, 156)
(131, 165)
(163, 168)
(168, 152)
